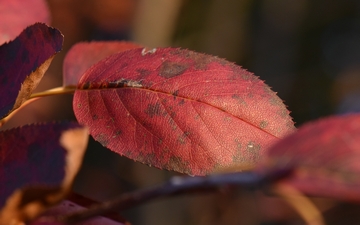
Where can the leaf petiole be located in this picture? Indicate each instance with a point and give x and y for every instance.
(36, 96)
(54, 91)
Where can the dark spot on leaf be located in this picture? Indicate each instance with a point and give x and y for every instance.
(283, 113)
(148, 159)
(117, 134)
(177, 164)
(128, 154)
(154, 110)
(239, 99)
(182, 138)
(173, 125)
(102, 139)
(248, 76)
(171, 69)
(239, 73)
(201, 61)
(263, 124)
(86, 85)
(115, 84)
(182, 102)
(143, 73)
(175, 93)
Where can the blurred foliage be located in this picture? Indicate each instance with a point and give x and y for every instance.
(303, 48)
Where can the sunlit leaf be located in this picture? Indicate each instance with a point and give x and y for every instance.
(180, 110)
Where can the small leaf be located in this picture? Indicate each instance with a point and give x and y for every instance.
(16, 15)
(85, 54)
(180, 110)
(325, 157)
(37, 168)
(23, 63)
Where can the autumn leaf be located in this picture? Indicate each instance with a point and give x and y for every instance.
(84, 54)
(16, 15)
(180, 110)
(324, 156)
(23, 63)
(38, 166)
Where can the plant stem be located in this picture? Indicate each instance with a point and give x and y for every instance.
(54, 91)
(36, 96)
(176, 186)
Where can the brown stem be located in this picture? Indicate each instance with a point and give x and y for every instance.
(176, 186)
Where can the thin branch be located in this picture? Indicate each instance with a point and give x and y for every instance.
(176, 186)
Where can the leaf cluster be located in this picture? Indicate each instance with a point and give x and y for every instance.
(171, 108)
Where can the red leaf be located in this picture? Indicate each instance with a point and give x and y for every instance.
(83, 55)
(23, 62)
(38, 164)
(325, 156)
(180, 110)
(16, 15)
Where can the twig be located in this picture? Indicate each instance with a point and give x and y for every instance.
(176, 186)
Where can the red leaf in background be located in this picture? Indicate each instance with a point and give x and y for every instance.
(16, 15)
(83, 55)
(180, 110)
(23, 62)
(325, 156)
(38, 164)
